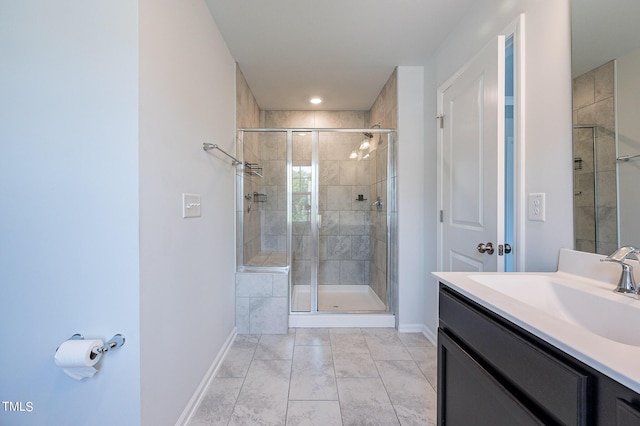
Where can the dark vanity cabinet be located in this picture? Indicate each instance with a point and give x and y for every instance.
(492, 372)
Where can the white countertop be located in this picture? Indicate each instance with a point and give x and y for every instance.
(616, 360)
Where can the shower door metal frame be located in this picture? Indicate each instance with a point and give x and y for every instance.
(315, 231)
(391, 214)
(313, 222)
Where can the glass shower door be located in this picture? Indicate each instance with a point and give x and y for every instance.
(303, 250)
(315, 202)
(346, 164)
(339, 229)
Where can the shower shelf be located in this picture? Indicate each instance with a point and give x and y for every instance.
(577, 163)
(253, 169)
(259, 198)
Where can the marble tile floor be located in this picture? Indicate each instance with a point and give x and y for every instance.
(320, 376)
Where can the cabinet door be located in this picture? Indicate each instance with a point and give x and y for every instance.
(546, 380)
(468, 395)
(626, 415)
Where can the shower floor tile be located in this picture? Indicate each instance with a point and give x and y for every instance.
(337, 298)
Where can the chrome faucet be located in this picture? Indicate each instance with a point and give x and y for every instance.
(627, 283)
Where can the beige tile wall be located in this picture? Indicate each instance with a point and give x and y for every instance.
(344, 258)
(385, 113)
(594, 104)
(248, 116)
(347, 223)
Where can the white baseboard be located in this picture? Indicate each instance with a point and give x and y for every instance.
(410, 328)
(206, 380)
(430, 335)
(419, 328)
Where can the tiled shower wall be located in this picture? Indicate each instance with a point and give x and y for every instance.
(353, 245)
(273, 207)
(594, 105)
(248, 116)
(262, 302)
(345, 231)
(385, 113)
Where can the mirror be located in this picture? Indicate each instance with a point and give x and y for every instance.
(606, 120)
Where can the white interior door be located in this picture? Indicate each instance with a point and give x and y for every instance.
(472, 164)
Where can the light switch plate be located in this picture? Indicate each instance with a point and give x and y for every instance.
(191, 205)
(536, 206)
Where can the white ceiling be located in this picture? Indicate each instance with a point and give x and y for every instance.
(603, 30)
(345, 50)
(341, 50)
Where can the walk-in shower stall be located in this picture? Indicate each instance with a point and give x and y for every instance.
(320, 204)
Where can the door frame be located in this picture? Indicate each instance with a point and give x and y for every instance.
(517, 30)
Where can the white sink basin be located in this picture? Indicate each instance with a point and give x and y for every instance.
(585, 303)
(573, 309)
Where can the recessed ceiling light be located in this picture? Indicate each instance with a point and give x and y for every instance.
(315, 100)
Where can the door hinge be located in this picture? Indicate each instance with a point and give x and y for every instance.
(441, 215)
(441, 121)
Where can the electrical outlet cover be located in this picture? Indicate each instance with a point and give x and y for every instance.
(536, 206)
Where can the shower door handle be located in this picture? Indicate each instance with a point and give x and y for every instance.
(319, 221)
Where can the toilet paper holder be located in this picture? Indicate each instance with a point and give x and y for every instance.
(115, 342)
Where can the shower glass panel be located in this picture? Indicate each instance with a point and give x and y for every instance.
(264, 203)
(303, 251)
(347, 189)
